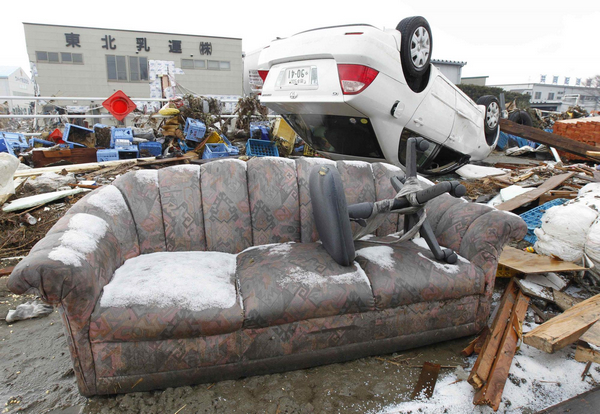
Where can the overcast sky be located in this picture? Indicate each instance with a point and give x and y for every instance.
(510, 41)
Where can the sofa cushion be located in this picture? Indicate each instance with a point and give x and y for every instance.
(290, 282)
(169, 295)
(274, 203)
(408, 273)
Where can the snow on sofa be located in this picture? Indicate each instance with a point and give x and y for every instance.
(195, 274)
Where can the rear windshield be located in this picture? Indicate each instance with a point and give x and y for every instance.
(344, 135)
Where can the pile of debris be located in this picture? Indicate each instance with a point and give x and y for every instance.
(560, 203)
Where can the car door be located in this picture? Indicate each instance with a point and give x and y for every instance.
(435, 115)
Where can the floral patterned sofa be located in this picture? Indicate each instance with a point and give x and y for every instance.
(195, 274)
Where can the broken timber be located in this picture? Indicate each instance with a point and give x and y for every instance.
(551, 140)
(427, 379)
(531, 263)
(529, 196)
(481, 370)
(588, 348)
(491, 392)
(565, 328)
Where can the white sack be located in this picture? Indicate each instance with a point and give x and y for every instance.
(564, 231)
(8, 165)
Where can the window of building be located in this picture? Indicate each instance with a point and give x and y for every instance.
(193, 64)
(550, 96)
(218, 65)
(59, 57)
(138, 68)
(41, 56)
(538, 95)
(117, 68)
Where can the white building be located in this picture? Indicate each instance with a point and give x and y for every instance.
(95, 62)
(450, 68)
(15, 82)
(555, 97)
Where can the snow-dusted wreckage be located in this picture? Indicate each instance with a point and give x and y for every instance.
(358, 92)
(194, 274)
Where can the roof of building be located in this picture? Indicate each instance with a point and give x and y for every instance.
(6, 71)
(126, 30)
(449, 62)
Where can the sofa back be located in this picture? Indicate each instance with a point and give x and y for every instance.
(230, 205)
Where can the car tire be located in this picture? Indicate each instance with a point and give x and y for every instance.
(415, 47)
(521, 118)
(491, 122)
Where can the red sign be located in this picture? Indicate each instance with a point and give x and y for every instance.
(119, 105)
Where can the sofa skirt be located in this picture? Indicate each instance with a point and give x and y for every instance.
(123, 367)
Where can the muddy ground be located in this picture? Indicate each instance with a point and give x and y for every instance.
(36, 376)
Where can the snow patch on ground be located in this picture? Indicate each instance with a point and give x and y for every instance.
(381, 255)
(536, 381)
(82, 238)
(108, 199)
(189, 280)
(310, 279)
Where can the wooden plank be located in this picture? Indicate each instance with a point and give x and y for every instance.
(554, 194)
(76, 168)
(566, 328)
(550, 184)
(491, 392)
(476, 344)
(6, 271)
(564, 301)
(592, 336)
(427, 379)
(535, 290)
(551, 140)
(482, 367)
(532, 263)
(584, 353)
(41, 158)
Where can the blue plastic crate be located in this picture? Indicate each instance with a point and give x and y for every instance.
(215, 151)
(107, 155)
(17, 141)
(128, 153)
(6, 147)
(71, 128)
(533, 217)
(194, 130)
(260, 148)
(120, 134)
(154, 149)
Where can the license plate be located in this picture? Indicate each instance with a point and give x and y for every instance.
(301, 76)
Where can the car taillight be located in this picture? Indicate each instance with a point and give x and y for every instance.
(263, 74)
(355, 78)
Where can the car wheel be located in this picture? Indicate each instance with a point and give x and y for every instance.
(521, 117)
(416, 46)
(492, 117)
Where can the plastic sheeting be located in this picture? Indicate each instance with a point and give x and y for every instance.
(8, 166)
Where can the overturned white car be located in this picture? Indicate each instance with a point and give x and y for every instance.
(357, 92)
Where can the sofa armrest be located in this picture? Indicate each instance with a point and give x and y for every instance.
(70, 265)
(475, 231)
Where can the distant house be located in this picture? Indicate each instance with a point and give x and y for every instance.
(15, 82)
(450, 68)
(555, 97)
